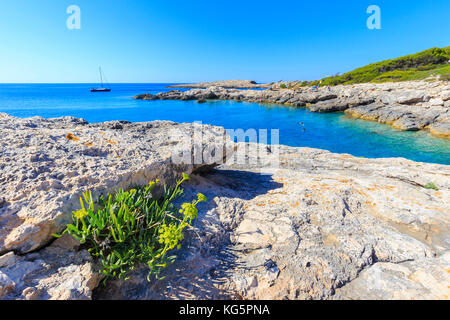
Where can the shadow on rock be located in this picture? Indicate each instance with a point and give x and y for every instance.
(207, 260)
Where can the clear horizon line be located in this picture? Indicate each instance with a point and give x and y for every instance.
(140, 82)
(97, 82)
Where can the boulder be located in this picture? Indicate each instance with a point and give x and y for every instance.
(407, 122)
(366, 112)
(146, 96)
(404, 97)
(445, 95)
(339, 104)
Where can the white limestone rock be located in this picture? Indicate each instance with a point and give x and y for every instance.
(321, 226)
(46, 164)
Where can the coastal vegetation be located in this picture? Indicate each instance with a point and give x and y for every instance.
(431, 186)
(433, 62)
(132, 227)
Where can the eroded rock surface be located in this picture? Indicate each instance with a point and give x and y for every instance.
(287, 223)
(58, 272)
(320, 226)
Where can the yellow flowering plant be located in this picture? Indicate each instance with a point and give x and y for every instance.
(133, 227)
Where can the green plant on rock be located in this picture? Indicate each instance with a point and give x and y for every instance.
(132, 227)
(431, 186)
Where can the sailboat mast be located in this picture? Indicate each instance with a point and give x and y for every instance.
(101, 77)
(102, 88)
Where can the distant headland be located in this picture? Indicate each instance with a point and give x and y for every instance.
(241, 84)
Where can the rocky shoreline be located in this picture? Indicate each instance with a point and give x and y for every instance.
(317, 225)
(409, 106)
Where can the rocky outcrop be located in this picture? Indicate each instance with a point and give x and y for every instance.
(407, 106)
(238, 84)
(318, 226)
(45, 165)
(280, 223)
(441, 129)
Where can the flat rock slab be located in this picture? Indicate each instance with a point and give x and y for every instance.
(319, 226)
(46, 164)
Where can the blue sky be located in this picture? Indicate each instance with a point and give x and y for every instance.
(190, 41)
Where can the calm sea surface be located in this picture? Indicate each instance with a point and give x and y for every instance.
(333, 132)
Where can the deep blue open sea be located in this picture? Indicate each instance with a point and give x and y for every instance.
(334, 132)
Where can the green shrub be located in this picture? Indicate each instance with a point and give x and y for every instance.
(133, 227)
(431, 185)
(283, 86)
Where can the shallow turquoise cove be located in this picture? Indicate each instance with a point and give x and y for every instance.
(297, 126)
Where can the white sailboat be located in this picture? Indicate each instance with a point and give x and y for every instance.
(102, 87)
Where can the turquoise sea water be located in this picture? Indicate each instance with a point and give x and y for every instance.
(334, 132)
